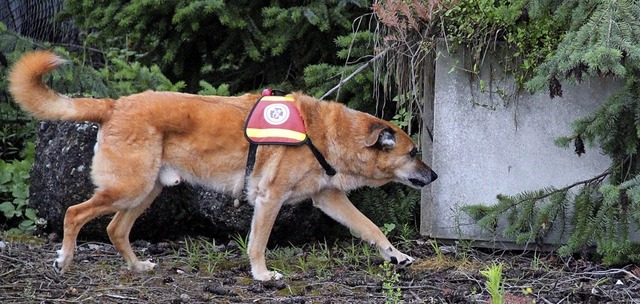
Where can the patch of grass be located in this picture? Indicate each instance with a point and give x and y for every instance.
(464, 249)
(537, 263)
(213, 255)
(203, 254)
(243, 243)
(282, 259)
(356, 254)
(320, 259)
(192, 250)
(302, 264)
(350, 255)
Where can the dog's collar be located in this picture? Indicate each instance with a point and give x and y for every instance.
(275, 120)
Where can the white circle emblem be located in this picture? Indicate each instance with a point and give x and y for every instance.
(276, 114)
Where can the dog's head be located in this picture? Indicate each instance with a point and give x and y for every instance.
(391, 155)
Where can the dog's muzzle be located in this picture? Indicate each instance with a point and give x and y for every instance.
(424, 179)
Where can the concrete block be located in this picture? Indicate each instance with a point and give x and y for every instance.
(490, 140)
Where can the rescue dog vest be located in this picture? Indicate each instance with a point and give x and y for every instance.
(275, 120)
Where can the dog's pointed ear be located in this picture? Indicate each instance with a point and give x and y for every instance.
(381, 136)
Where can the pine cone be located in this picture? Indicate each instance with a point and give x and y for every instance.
(579, 145)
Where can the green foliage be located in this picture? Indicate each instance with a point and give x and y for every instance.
(601, 40)
(208, 89)
(524, 26)
(125, 77)
(16, 128)
(353, 49)
(436, 249)
(247, 44)
(389, 207)
(356, 93)
(14, 193)
(529, 215)
(387, 228)
(604, 216)
(402, 117)
(17, 148)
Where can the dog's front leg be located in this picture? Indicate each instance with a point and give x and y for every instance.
(336, 205)
(265, 212)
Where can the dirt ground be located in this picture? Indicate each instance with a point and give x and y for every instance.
(199, 271)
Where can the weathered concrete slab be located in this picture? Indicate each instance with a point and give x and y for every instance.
(489, 140)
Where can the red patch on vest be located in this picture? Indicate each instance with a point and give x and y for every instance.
(275, 120)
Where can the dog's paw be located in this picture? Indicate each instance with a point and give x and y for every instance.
(57, 266)
(404, 262)
(61, 264)
(142, 266)
(268, 275)
(396, 257)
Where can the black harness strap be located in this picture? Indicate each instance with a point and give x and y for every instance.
(253, 148)
(251, 161)
(323, 162)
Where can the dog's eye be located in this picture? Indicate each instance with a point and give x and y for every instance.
(414, 152)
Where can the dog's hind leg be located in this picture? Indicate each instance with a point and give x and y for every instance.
(125, 173)
(75, 217)
(120, 227)
(336, 205)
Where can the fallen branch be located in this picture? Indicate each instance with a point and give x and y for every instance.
(354, 73)
(119, 297)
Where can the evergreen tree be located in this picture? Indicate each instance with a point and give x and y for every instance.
(247, 44)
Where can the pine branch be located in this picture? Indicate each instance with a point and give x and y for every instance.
(597, 178)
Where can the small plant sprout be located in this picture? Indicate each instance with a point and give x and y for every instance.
(302, 264)
(242, 243)
(388, 228)
(436, 249)
(406, 235)
(390, 279)
(494, 283)
(367, 252)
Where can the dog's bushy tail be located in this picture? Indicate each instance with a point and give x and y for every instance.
(35, 97)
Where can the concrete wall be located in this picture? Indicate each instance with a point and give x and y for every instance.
(489, 140)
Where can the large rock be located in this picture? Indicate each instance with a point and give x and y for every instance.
(60, 177)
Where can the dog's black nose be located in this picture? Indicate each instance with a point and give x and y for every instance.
(434, 176)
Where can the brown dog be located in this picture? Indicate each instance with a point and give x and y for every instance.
(152, 139)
